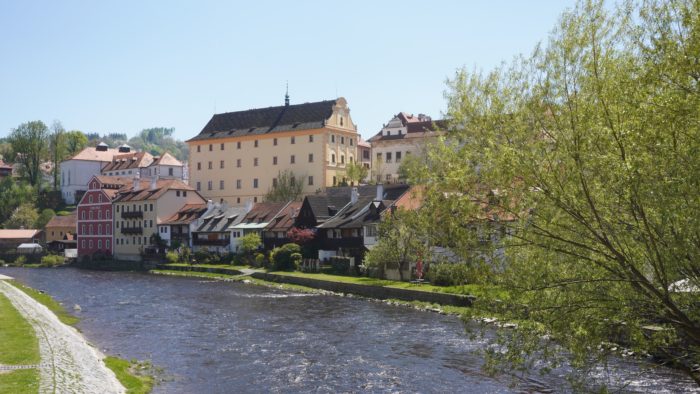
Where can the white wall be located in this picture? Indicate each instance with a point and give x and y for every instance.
(75, 175)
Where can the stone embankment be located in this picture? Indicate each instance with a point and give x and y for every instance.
(69, 364)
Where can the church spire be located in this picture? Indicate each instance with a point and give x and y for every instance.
(286, 96)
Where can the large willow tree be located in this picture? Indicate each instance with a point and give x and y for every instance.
(592, 145)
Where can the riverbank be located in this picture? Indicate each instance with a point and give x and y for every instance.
(62, 361)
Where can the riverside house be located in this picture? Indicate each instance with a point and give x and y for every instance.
(140, 207)
(211, 231)
(94, 216)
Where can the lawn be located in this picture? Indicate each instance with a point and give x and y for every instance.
(19, 347)
(127, 373)
(229, 266)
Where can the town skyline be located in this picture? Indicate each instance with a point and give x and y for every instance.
(107, 68)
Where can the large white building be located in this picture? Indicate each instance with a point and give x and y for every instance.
(77, 171)
(404, 135)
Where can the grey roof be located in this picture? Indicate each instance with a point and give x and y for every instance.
(268, 120)
(218, 220)
(365, 210)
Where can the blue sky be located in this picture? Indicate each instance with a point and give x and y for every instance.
(100, 66)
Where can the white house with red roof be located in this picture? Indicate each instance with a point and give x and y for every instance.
(77, 171)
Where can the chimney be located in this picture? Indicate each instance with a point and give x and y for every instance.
(353, 195)
(380, 192)
(210, 205)
(137, 185)
(154, 182)
(248, 205)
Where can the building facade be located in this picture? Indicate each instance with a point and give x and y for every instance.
(60, 226)
(238, 155)
(94, 216)
(403, 136)
(140, 207)
(77, 171)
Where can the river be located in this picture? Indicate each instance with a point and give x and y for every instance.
(224, 337)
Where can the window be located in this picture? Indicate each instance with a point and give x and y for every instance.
(274, 182)
(342, 159)
(82, 244)
(274, 160)
(333, 158)
(255, 162)
(199, 165)
(184, 194)
(388, 157)
(341, 120)
(99, 229)
(291, 159)
(256, 143)
(238, 145)
(108, 214)
(311, 157)
(388, 177)
(255, 183)
(238, 183)
(398, 157)
(99, 215)
(209, 185)
(222, 146)
(238, 200)
(83, 230)
(238, 163)
(177, 193)
(365, 154)
(352, 141)
(211, 147)
(107, 244)
(292, 140)
(199, 186)
(221, 185)
(151, 207)
(342, 140)
(255, 199)
(90, 244)
(274, 141)
(311, 180)
(221, 164)
(210, 165)
(82, 215)
(90, 215)
(335, 180)
(311, 138)
(170, 172)
(99, 198)
(199, 148)
(90, 199)
(332, 137)
(379, 157)
(99, 244)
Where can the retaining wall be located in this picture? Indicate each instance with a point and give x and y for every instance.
(378, 292)
(194, 268)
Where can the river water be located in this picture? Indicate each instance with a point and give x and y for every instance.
(223, 337)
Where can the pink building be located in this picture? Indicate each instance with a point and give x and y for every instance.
(94, 224)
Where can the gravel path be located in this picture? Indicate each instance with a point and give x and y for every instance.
(68, 363)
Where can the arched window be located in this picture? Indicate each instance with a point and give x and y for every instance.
(107, 244)
(99, 244)
(90, 215)
(90, 199)
(82, 215)
(333, 158)
(99, 215)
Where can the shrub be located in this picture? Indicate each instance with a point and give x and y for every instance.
(296, 260)
(448, 274)
(172, 257)
(281, 258)
(340, 264)
(52, 260)
(202, 257)
(20, 261)
(260, 260)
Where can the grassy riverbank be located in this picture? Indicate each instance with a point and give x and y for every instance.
(15, 338)
(19, 347)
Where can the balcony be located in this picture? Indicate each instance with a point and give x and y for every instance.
(132, 215)
(210, 242)
(132, 230)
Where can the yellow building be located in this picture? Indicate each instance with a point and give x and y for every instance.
(238, 155)
(59, 227)
(140, 207)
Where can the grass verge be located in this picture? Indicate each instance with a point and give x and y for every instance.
(130, 374)
(23, 381)
(19, 344)
(46, 300)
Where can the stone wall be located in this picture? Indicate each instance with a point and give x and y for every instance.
(378, 292)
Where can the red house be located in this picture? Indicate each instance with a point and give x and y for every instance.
(94, 224)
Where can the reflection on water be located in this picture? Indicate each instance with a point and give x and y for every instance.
(223, 337)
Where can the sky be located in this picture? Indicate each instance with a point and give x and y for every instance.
(122, 66)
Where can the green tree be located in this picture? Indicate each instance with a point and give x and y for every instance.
(592, 145)
(24, 216)
(356, 172)
(248, 244)
(287, 187)
(43, 218)
(30, 144)
(57, 148)
(12, 195)
(401, 238)
(74, 142)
